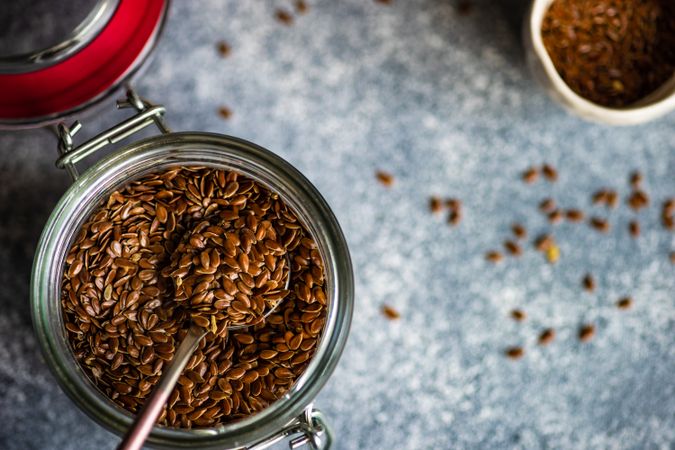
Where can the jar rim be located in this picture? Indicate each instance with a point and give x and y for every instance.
(151, 155)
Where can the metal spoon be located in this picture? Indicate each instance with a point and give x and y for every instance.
(152, 408)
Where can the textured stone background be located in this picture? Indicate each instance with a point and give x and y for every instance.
(445, 103)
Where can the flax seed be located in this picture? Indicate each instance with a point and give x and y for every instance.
(530, 175)
(634, 228)
(550, 173)
(519, 231)
(385, 178)
(588, 282)
(586, 333)
(435, 205)
(624, 303)
(390, 313)
(546, 336)
(514, 352)
(493, 256)
(284, 17)
(518, 315)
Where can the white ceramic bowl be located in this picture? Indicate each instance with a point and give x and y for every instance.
(654, 105)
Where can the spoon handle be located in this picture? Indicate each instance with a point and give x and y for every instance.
(146, 418)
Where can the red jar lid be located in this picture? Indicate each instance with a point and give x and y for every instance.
(50, 93)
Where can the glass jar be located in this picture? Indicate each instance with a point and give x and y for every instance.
(293, 414)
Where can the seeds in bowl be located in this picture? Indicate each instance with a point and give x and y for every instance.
(610, 52)
(194, 245)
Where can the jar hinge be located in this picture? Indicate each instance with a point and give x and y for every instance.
(147, 114)
(309, 429)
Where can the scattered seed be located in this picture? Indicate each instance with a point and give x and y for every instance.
(588, 282)
(635, 179)
(224, 49)
(518, 315)
(547, 205)
(225, 112)
(454, 217)
(301, 6)
(586, 333)
(574, 215)
(519, 231)
(600, 224)
(624, 303)
(435, 205)
(530, 175)
(634, 228)
(493, 256)
(672, 257)
(453, 204)
(513, 248)
(515, 352)
(544, 242)
(555, 216)
(549, 172)
(638, 200)
(284, 17)
(385, 178)
(547, 336)
(390, 313)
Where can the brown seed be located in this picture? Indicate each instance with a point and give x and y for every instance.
(435, 205)
(544, 242)
(600, 197)
(454, 218)
(385, 178)
(390, 313)
(225, 112)
(612, 199)
(547, 205)
(588, 282)
(549, 172)
(223, 49)
(546, 336)
(530, 175)
(600, 224)
(624, 303)
(493, 256)
(453, 204)
(518, 315)
(635, 179)
(515, 352)
(519, 231)
(672, 257)
(586, 333)
(555, 216)
(513, 248)
(284, 17)
(638, 200)
(574, 215)
(301, 6)
(634, 228)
